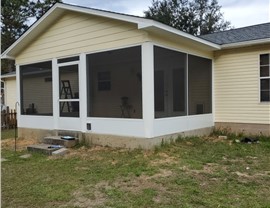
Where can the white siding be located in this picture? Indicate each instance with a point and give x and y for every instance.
(75, 33)
(237, 96)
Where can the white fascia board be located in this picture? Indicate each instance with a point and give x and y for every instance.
(8, 76)
(5, 56)
(172, 30)
(245, 43)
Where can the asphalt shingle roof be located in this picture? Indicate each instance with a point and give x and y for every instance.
(249, 33)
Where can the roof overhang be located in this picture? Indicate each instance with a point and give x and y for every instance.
(8, 75)
(162, 29)
(246, 43)
(58, 9)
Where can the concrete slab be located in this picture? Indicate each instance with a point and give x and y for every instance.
(61, 151)
(43, 148)
(57, 140)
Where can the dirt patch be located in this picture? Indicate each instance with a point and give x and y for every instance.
(164, 159)
(94, 196)
(21, 143)
(136, 185)
(88, 197)
(216, 139)
(253, 176)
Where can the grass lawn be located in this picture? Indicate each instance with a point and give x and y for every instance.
(192, 172)
(7, 133)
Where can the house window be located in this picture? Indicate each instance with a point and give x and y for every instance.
(265, 77)
(104, 81)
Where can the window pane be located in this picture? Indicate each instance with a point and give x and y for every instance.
(264, 71)
(199, 85)
(36, 92)
(116, 92)
(264, 59)
(170, 83)
(265, 95)
(68, 90)
(265, 84)
(265, 89)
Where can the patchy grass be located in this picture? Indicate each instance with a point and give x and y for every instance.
(191, 172)
(7, 134)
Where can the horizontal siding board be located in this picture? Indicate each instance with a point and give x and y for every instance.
(237, 87)
(87, 49)
(73, 34)
(80, 41)
(78, 29)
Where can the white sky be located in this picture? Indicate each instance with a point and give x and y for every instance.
(239, 12)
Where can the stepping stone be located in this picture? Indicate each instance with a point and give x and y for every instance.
(47, 149)
(58, 140)
(61, 151)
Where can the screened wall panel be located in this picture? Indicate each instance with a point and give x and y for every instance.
(36, 89)
(199, 85)
(115, 84)
(69, 91)
(169, 83)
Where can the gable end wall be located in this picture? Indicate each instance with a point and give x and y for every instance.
(75, 33)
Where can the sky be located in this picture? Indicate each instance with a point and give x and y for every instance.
(240, 13)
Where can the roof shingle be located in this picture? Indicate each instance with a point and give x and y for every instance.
(243, 34)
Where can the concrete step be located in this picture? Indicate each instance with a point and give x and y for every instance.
(57, 140)
(47, 149)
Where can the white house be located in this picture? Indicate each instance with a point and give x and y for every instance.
(121, 80)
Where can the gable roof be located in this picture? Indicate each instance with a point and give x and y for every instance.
(244, 34)
(59, 8)
(227, 39)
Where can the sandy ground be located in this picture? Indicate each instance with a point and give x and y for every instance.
(21, 144)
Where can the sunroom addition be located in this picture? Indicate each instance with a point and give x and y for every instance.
(128, 91)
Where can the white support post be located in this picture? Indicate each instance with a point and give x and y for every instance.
(18, 96)
(83, 91)
(213, 93)
(148, 88)
(55, 92)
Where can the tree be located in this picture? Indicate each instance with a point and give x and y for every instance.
(15, 15)
(196, 17)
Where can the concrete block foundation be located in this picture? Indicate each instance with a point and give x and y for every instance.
(110, 140)
(245, 128)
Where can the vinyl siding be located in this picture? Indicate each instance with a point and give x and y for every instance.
(184, 46)
(10, 92)
(75, 33)
(237, 86)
